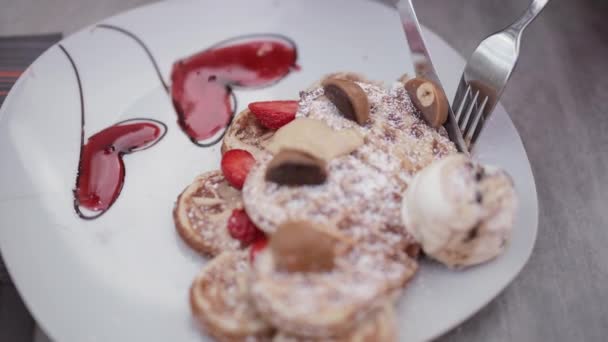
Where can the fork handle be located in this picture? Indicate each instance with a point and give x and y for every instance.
(533, 10)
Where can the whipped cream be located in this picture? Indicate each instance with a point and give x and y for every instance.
(460, 212)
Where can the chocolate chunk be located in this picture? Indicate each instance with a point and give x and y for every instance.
(349, 98)
(478, 197)
(429, 99)
(413, 250)
(301, 246)
(480, 174)
(293, 167)
(417, 131)
(472, 235)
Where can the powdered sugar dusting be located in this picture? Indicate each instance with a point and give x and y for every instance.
(362, 194)
(355, 197)
(321, 301)
(207, 205)
(221, 300)
(362, 197)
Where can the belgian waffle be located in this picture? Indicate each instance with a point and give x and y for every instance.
(332, 303)
(378, 326)
(361, 198)
(201, 214)
(246, 133)
(363, 192)
(219, 299)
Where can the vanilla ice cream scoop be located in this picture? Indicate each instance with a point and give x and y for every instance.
(459, 211)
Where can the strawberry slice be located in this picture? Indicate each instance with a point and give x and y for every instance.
(274, 114)
(257, 246)
(241, 228)
(236, 165)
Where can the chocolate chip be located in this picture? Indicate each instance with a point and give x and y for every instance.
(472, 234)
(418, 133)
(439, 149)
(373, 108)
(349, 98)
(301, 246)
(413, 250)
(390, 135)
(479, 174)
(397, 197)
(478, 197)
(292, 167)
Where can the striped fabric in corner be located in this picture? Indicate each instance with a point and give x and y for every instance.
(17, 53)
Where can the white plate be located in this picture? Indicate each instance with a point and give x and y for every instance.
(125, 276)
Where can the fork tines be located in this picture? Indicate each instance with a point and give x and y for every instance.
(470, 113)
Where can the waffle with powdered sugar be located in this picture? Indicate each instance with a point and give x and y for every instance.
(363, 192)
(221, 303)
(246, 133)
(332, 303)
(219, 298)
(361, 198)
(377, 326)
(201, 214)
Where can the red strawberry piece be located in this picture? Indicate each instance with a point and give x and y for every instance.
(257, 246)
(274, 114)
(236, 165)
(241, 228)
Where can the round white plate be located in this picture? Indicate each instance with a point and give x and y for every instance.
(125, 276)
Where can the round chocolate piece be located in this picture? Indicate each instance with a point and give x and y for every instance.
(349, 98)
(429, 99)
(301, 246)
(293, 167)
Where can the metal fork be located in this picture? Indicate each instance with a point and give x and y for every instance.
(486, 74)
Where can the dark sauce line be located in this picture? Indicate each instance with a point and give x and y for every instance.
(229, 86)
(81, 96)
(76, 203)
(120, 157)
(143, 46)
(160, 137)
(84, 196)
(290, 41)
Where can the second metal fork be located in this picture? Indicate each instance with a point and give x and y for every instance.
(486, 74)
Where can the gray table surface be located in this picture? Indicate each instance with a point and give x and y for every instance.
(558, 99)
